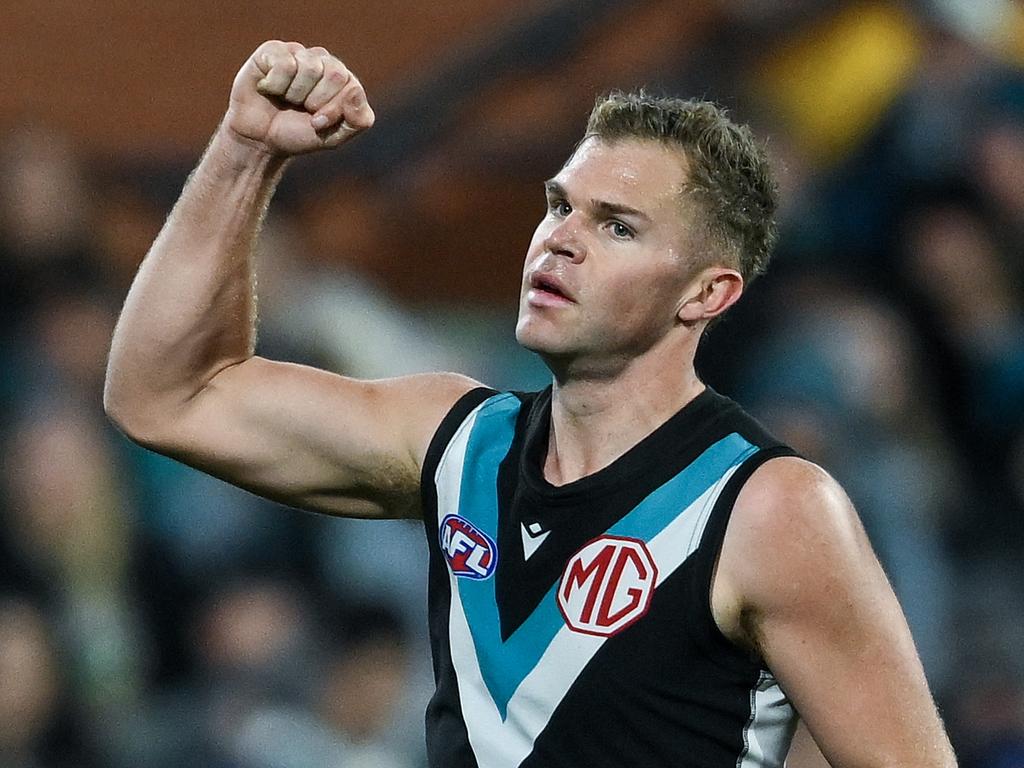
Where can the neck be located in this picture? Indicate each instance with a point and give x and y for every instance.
(596, 420)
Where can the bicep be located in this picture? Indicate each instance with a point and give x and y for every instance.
(821, 612)
(313, 439)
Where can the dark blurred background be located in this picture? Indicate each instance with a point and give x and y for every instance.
(152, 616)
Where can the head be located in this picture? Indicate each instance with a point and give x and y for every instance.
(654, 225)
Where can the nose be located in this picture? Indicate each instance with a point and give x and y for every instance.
(564, 240)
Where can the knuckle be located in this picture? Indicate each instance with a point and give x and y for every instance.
(312, 65)
(270, 45)
(336, 76)
(356, 96)
(269, 54)
(360, 119)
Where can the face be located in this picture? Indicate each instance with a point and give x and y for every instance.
(607, 268)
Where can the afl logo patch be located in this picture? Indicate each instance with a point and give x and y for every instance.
(470, 552)
(607, 585)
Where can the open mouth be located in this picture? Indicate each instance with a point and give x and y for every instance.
(544, 285)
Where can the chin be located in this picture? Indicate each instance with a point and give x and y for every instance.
(526, 339)
(532, 338)
(546, 345)
(550, 336)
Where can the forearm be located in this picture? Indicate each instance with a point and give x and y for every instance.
(191, 310)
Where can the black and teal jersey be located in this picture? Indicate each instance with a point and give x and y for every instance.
(571, 625)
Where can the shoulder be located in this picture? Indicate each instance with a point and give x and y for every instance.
(791, 504)
(440, 390)
(788, 494)
(453, 399)
(794, 540)
(431, 397)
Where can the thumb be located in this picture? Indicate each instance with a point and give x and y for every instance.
(336, 135)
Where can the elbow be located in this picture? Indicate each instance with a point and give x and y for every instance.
(136, 419)
(119, 410)
(113, 402)
(142, 429)
(116, 399)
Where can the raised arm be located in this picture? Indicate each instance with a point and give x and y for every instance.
(799, 584)
(182, 377)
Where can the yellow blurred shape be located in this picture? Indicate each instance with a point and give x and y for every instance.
(1011, 46)
(833, 82)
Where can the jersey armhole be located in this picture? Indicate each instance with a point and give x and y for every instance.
(710, 549)
(442, 436)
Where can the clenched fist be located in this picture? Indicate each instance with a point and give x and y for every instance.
(291, 99)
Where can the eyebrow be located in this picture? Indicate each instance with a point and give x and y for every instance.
(602, 207)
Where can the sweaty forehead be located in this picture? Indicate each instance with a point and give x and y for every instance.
(649, 169)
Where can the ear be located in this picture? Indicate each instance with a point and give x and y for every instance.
(709, 294)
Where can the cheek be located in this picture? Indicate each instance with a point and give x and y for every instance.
(540, 234)
(637, 300)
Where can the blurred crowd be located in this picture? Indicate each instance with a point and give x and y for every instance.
(152, 616)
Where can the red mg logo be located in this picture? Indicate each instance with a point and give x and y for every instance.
(607, 585)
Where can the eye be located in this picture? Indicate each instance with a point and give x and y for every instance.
(620, 231)
(560, 208)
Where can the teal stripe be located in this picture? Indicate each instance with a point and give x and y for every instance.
(653, 514)
(486, 448)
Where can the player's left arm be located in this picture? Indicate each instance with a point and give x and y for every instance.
(798, 582)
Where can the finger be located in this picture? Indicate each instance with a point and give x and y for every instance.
(278, 66)
(310, 70)
(339, 134)
(335, 77)
(262, 56)
(348, 105)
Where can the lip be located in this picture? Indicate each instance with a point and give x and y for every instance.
(548, 290)
(538, 298)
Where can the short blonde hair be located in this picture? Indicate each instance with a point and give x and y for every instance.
(730, 178)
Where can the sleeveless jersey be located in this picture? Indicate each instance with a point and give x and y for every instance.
(571, 625)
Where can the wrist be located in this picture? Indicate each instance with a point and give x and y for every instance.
(242, 154)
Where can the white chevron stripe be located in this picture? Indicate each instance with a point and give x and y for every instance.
(499, 744)
(448, 475)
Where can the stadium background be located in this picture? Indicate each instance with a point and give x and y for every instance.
(151, 616)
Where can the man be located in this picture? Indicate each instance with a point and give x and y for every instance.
(625, 569)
